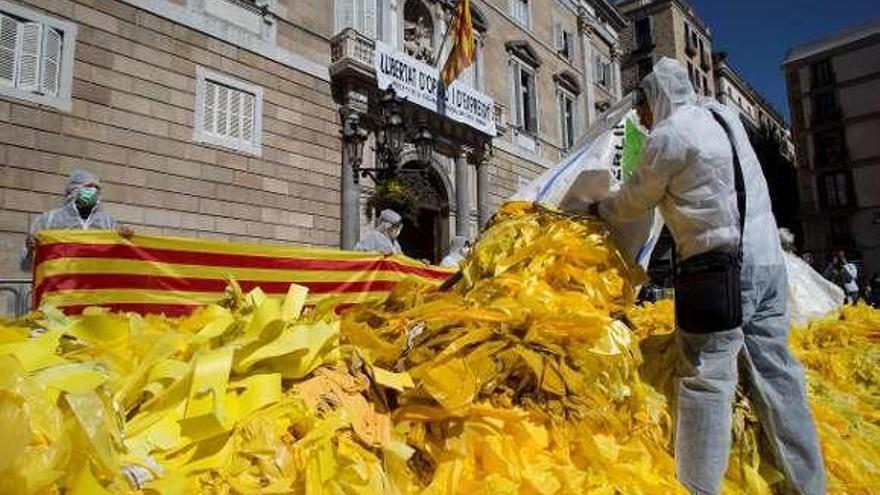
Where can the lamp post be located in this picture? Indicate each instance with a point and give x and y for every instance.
(390, 137)
(391, 133)
(424, 142)
(353, 138)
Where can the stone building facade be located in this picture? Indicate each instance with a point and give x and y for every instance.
(833, 87)
(222, 118)
(754, 110)
(665, 28)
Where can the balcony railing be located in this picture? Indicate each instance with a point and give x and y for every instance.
(351, 49)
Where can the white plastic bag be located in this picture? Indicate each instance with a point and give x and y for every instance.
(591, 173)
(810, 295)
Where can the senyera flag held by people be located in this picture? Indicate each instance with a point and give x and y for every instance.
(150, 274)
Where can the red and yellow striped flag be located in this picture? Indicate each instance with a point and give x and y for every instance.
(150, 274)
(464, 45)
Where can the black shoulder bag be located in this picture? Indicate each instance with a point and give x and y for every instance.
(708, 292)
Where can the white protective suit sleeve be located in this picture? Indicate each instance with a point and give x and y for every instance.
(456, 252)
(661, 159)
(686, 169)
(377, 242)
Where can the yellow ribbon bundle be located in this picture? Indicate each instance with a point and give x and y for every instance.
(535, 375)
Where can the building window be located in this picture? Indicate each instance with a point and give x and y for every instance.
(228, 112)
(522, 12)
(691, 73)
(645, 67)
(841, 233)
(706, 90)
(824, 108)
(835, 190)
(36, 57)
(830, 149)
(822, 73)
(567, 119)
(525, 100)
(644, 37)
(689, 49)
(603, 73)
(564, 41)
(704, 57)
(359, 15)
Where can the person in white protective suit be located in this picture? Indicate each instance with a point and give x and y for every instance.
(80, 210)
(458, 251)
(687, 171)
(383, 238)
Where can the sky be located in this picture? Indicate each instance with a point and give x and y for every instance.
(757, 34)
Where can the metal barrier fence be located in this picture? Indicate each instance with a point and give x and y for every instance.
(15, 296)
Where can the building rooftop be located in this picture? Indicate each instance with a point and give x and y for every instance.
(629, 6)
(722, 65)
(611, 14)
(834, 41)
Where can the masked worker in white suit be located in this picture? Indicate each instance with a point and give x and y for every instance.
(697, 168)
(383, 238)
(80, 209)
(458, 251)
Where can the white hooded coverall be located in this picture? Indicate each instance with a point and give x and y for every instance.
(378, 239)
(456, 252)
(687, 172)
(67, 215)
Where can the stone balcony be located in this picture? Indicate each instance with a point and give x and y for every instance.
(352, 52)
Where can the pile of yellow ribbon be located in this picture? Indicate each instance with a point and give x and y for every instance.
(534, 375)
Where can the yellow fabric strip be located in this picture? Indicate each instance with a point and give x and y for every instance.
(122, 296)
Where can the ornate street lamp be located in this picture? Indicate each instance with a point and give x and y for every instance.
(392, 133)
(353, 138)
(424, 142)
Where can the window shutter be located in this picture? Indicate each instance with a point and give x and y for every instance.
(557, 36)
(370, 18)
(9, 46)
(51, 63)
(344, 14)
(568, 37)
(560, 102)
(533, 104)
(517, 95)
(235, 114)
(29, 56)
(210, 105)
(248, 103)
(222, 111)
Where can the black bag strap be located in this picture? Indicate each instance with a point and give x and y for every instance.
(739, 182)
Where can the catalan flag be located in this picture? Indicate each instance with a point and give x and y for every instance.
(464, 46)
(151, 274)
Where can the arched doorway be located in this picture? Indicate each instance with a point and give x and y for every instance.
(425, 235)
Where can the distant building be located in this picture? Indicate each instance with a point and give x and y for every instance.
(665, 28)
(834, 94)
(755, 111)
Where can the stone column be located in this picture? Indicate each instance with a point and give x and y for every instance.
(349, 208)
(586, 31)
(483, 207)
(462, 196)
(354, 105)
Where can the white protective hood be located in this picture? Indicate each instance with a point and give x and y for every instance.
(686, 171)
